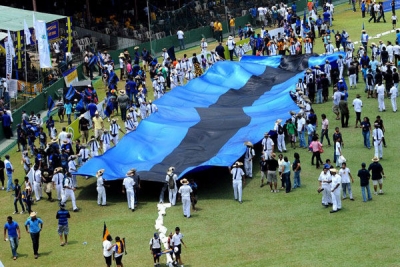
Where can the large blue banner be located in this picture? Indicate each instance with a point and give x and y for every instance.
(388, 7)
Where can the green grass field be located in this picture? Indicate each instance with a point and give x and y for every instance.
(266, 230)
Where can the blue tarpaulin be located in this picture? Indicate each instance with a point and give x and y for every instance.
(206, 122)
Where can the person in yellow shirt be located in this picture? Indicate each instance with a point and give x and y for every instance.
(98, 126)
(232, 25)
(216, 29)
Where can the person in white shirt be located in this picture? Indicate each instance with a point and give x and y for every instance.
(56, 47)
(180, 72)
(340, 63)
(37, 183)
(389, 49)
(203, 46)
(238, 179)
(261, 15)
(94, 146)
(128, 184)
(155, 248)
(105, 139)
(330, 49)
(324, 179)
(248, 159)
(231, 46)
(268, 146)
(377, 135)
(84, 153)
(185, 190)
(173, 78)
(129, 124)
(327, 70)
(71, 169)
(151, 108)
(181, 40)
(380, 91)
(344, 172)
(393, 97)
(308, 46)
(281, 135)
(108, 250)
(176, 244)
(164, 55)
(301, 122)
(101, 191)
(57, 180)
(335, 191)
(357, 104)
(62, 136)
(69, 191)
(114, 131)
(170, 179)
(121, 65)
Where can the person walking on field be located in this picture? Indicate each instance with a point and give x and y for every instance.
(128, 184)
(248, 159)
(324, 179)
(172, 188)
(377, 175)
(364, 182)
(34, 226)
(335, 191)
(185, 190)
(155, 248)
(101, 191)
(238, 179)
(14, 235)
(176, 244)
(63, 229)
(347, 179)
(181, 39)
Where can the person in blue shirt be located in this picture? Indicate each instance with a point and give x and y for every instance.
(63, 216)
(318, 22)
(363, 9)
(253, 13)
(92, 109)
(294, 8)
(33, 226)
(327, 17)
(6, 121)
(68, 111)
(14, 235)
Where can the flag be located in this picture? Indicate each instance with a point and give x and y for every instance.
(71, 92)
(43, 44)
(27, 33)
(50, 105)
(10, 53)
(105, 232)
(101, 59)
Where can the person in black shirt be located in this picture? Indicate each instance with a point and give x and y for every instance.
(364, 182)
(377, 175)
(18, 197)
(272, 165)
(263, 169)
(366, 131)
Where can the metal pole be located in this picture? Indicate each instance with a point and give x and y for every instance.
(34, 5)
(148, 18)
(26, 66)
(227, 22)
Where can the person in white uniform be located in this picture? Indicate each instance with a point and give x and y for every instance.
(172, 188)
(380, 91)
(248, 159)
(127, 188)
(357, 104)
(69, 190)
(268, 146)
(281, 135)
(377, 135)
(129, 124)
(393, 97)
(100, 187)
(151, 108)
(114, 131)
(185, 190)
(94, 146)
(37, 183)
(203, 46)
(105, 139)
(335, 191)
(57, 180)
(324, 180)
(72, 168)
(238, 179)
(84, 153)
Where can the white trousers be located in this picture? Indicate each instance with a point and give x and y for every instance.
(336, 200)
(378, 149)
(115, 139)
(341, 72)
(281, 142)
(237, 189)
(101, 195)
(105, 147)
(74, 181)
(326, 194)
(353, 80)
(248, 167)
(172, 195)
(186, 206)
(37, 188)
(130, 196)
(69, 193)
(59, 191)
(381, 102)
(394, 103)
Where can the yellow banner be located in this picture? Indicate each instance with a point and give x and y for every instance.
(19, 48)
(69, 31)
(71, 77)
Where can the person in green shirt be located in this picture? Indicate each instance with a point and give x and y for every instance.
(291, 129)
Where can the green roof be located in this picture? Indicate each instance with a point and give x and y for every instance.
(13, 18)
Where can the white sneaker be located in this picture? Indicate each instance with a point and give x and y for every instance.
(22, 212)
(2, 188)
(375, 193)
(380, 192)
(15, 212)
(272, 191)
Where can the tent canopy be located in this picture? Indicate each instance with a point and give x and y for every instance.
(13, 18)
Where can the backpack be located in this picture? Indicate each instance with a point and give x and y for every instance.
(171, 182)
(152, 241)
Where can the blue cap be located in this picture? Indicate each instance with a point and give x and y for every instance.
(327, 166)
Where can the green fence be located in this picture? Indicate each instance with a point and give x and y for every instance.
(39, 103)
(192, 38)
